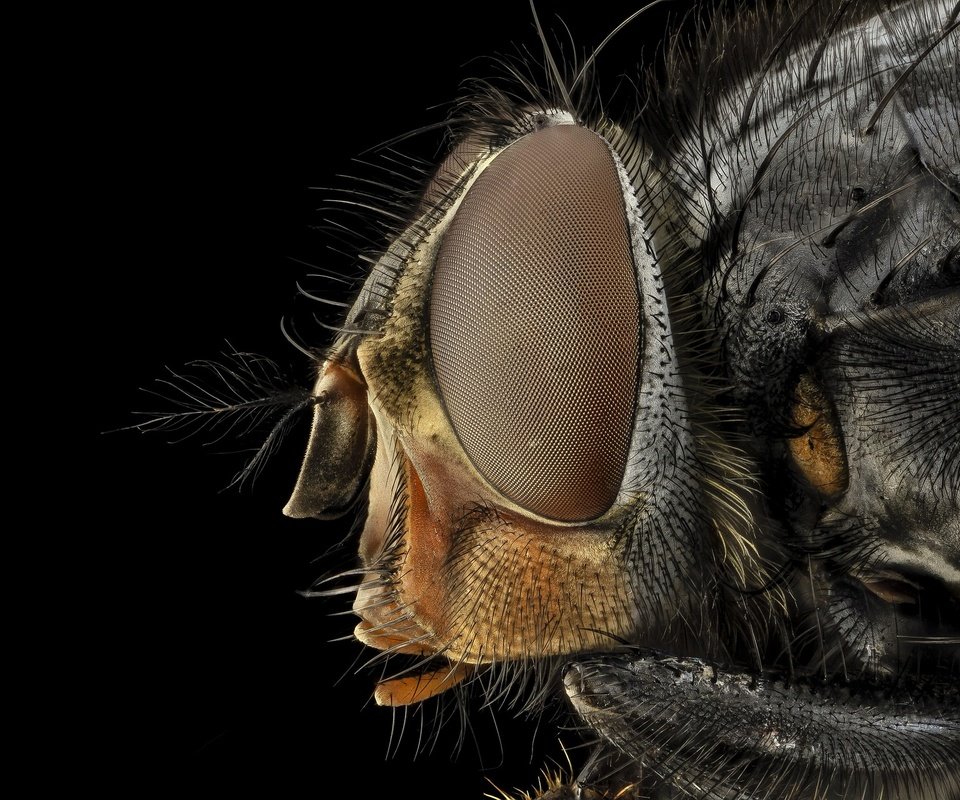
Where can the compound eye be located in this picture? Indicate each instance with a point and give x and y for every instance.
(535, 324)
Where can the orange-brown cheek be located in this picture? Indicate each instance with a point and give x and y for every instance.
(562, 591)
(427, 545)
(506, 586)
(512, 588)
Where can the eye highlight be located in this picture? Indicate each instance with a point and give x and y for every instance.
(535, 324)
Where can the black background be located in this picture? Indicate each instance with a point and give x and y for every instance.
(196, 139)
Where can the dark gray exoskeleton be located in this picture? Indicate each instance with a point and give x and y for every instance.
(816, 186)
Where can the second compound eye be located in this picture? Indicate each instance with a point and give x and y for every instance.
(535, 324)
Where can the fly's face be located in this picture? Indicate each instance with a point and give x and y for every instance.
(502, 407)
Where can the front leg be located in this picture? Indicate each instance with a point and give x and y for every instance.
(702, 732)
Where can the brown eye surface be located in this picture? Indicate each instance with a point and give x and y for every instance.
(535, 326)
